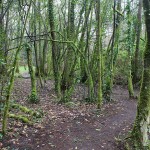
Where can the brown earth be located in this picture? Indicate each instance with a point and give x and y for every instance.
(71, 127)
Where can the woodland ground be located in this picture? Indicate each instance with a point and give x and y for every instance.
(73, 127)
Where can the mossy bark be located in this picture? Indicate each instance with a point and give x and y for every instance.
(33, 98)
(2, 41)
(141, 126)
(130, 84)
(81, 44)
(99, 54)
(6, 109)
(55, 51)
(129, 48)
(26, 110)
(8, 94)
(68, 77)
(142, 122)
(34, 28)
(22, 118)
(11, 82)
(137, 49)
(113, 52)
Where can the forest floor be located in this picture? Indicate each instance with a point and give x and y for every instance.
(77, 126)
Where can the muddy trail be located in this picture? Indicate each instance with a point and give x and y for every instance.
(70, 127)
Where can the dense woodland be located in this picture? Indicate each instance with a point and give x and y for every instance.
(74, 56)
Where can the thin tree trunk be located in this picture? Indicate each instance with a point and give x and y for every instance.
(2, 38)
(113, 44)
(129, 48)
(84, 76)
(11, 82)
(99, 54)
(33, 98)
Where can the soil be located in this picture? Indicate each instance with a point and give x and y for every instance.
(76, 126)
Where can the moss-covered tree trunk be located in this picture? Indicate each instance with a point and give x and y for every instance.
(2, 38)
(33, 98)
(55, 51)
(129, 48)
(40, 43)
(99, 54)
(142, 122)
(113, 52)
(81, 44)
(110, 76)
(12, 77)
(9, 90)
(67, 83)
(34, 28)
(137, 50)
(3, 49)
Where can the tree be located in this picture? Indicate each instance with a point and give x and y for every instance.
(55, 51)
(67, 83)
(129, 49)
(81, 41)
(112, 52)
(138, 33)
(142, 121)
(2, 39)
(12, 77)
(33, 98)
(99, 53)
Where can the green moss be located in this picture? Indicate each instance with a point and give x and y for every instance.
(141, 126)
(21, 118)
(26, 110)
(130, 86)
(33, 98)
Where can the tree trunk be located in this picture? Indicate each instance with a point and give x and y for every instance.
(33, 98)
(113, 52)
(99, 54)
(141, 127)
(67, 83)
(129, 47)
(56, 70)
(11, 82)
(2, 39)
(84, 76)
(138, 33)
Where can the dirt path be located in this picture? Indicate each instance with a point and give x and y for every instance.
(77, 128)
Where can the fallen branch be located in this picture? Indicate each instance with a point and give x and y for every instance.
(20, 117)
(27, 110)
